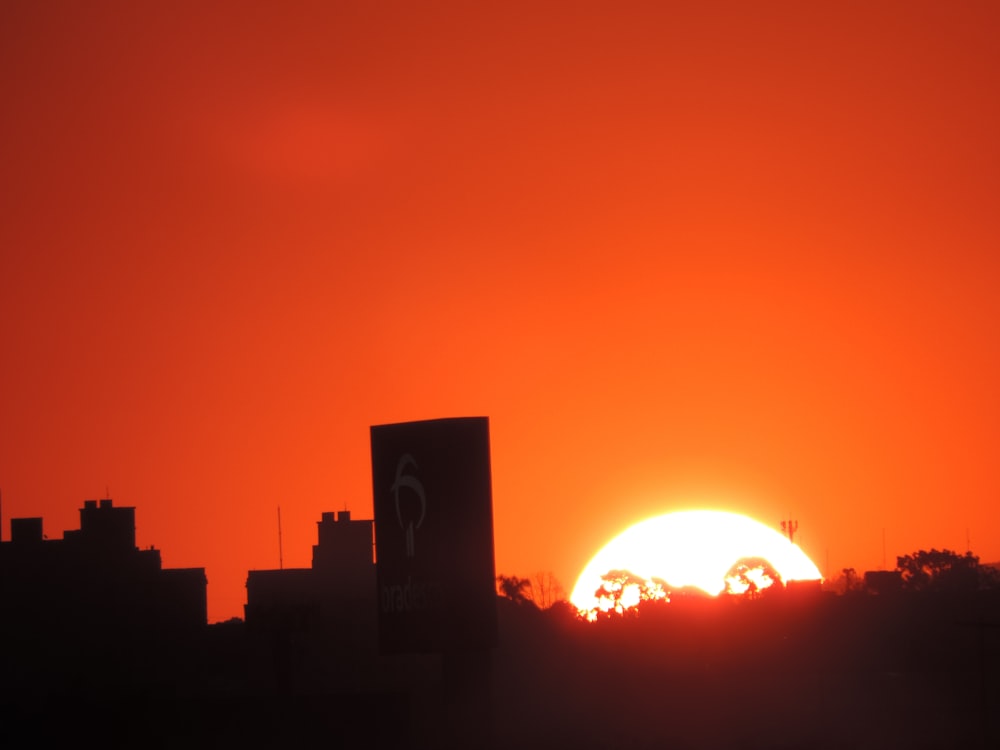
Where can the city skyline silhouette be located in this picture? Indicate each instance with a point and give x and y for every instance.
(107, 636)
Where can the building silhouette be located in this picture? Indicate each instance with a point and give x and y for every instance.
(95, 578)
(312, 628)
(340, 582)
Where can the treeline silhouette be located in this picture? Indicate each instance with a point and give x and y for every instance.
(107, 648)
(787, 668)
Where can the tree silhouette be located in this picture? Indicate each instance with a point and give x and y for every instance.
(939, 570)
(622, 591)
(546, 590)
(850, 580)
(542, 589)
(749, 576)
(518, 590)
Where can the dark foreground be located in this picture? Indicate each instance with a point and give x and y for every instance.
(914, 671)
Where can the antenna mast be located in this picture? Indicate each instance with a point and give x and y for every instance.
(281, 558)
(789, 527)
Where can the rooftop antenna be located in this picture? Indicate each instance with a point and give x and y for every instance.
(883, 548)
(281, 558)
(789, 527)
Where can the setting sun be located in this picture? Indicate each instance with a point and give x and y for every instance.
(697, 548)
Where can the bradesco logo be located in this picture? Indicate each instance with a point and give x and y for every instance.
(410, 501)
(410, 514)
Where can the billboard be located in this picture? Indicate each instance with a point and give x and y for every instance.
(433, 505)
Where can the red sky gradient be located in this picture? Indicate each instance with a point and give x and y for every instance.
(739, 255)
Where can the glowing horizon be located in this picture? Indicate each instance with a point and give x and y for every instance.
(692, 548)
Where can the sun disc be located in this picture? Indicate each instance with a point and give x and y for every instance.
(691, 548)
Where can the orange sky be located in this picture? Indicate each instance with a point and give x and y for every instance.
(740, 257)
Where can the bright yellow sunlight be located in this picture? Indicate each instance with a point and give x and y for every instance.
(699, 548)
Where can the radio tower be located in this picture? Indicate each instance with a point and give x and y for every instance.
(790, 527)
